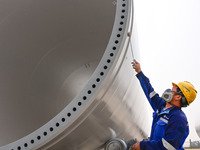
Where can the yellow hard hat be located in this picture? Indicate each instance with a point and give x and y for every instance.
(188, 90)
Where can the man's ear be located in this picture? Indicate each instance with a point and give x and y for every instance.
(178, 97)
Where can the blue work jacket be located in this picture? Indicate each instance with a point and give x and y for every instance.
(169, 127)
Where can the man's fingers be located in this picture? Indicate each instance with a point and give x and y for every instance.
(133, 147)
(136, 61)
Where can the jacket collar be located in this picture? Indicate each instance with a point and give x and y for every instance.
(167, 111)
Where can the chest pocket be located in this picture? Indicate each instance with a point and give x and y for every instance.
(160, 128)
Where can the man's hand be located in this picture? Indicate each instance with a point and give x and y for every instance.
(136, 66)
(136, 146)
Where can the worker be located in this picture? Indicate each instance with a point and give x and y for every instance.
(170, 126)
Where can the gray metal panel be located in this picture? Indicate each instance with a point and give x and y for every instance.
(197, 128)
(66, 80)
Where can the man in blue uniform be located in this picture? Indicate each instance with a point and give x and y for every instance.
(170, 126)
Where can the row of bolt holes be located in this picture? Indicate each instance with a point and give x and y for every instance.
(89, 91)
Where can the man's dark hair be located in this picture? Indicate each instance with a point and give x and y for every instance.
(179, 91)
(184, 102)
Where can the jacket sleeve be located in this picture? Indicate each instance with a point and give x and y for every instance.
(173, 138)
(153, 98)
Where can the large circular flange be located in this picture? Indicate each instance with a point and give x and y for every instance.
(79, 104)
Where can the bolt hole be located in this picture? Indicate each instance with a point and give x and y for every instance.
(101, 73)
(93, 86)
(114, 48)
(116, 42)
(84, 97)
(68, 114)
(25, 145)
(51, 129)
(121, 23)
(123, 11)
(79, 103)
(19, 148)
(45, 133)
(74, 109)
(63, 119)
(57, 124)
(105, 67)
(32, 141)
(89, 92)
(38, 137)
(108, 61)
(98, 80)
(111, 54)
(123, 5)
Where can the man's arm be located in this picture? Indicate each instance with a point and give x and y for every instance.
(153, 98)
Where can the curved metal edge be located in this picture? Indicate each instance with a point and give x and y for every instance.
(68, 115)
(120, 143)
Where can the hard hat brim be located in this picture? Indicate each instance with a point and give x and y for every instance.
(174, 84)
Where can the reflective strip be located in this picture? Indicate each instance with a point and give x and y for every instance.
(164, 120)
(152, 94)
(167, 145)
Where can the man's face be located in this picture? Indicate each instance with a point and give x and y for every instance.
(175, 95)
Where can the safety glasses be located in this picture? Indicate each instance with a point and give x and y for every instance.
(177, 93)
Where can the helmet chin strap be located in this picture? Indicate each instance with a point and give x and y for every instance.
(171, 104)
